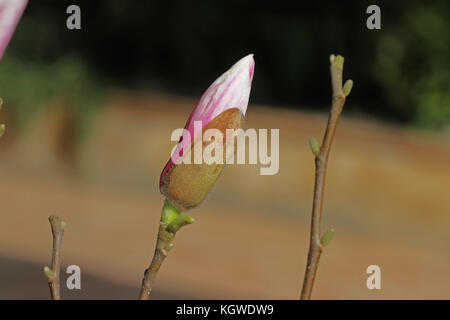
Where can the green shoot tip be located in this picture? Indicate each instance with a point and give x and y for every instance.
(348, 85)
(180, 222)
(338, 61)
(169, 213)
(327, 237)
(48, 272)
(314, 144)
(332, 57)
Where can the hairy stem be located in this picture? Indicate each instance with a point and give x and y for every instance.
(321, 160)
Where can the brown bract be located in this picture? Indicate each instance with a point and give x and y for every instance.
(187, 184)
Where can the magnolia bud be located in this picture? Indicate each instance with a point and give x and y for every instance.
(186, 183)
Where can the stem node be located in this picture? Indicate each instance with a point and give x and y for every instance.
(57, 225)
(171, 222)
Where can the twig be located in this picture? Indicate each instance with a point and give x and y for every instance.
(171, 222)
(321, 159)
(57, 225)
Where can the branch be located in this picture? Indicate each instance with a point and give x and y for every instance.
(321, 159)
(52, 274)
(171, 222)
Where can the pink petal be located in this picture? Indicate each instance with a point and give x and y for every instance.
(230, 90)
(10, 13)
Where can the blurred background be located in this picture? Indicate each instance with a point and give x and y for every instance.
(89, 115)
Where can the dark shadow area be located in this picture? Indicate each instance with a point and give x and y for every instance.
(25, 280)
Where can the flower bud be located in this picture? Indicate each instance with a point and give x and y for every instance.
(186, 183)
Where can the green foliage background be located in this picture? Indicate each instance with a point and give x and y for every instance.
(401, 72)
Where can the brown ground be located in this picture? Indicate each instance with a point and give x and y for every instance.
(387, 197)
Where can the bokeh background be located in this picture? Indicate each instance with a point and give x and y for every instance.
(89, 115)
